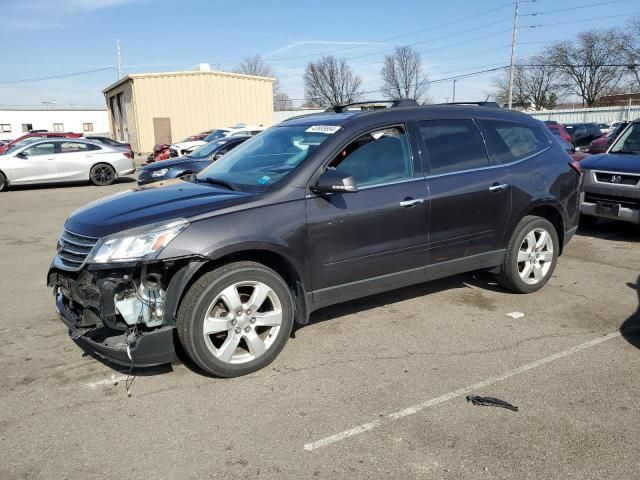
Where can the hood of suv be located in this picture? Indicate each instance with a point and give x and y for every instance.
(152, 203)
(613, 162)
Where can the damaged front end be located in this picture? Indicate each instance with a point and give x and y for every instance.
(112, 292)
(118, 313)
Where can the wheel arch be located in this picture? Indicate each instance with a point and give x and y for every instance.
(553, 214)
(103, 162)
(188, 274)
(6, 179)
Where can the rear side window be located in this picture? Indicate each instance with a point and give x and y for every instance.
(453, 145)
(509, 142)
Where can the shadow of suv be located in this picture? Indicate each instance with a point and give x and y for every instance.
(318, 210)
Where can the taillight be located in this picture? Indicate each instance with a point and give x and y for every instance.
(127, 154)
(576, 166)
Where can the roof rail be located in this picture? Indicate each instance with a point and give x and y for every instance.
(402, 102)
(480, 104)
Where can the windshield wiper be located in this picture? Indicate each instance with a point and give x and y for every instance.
(217, 181)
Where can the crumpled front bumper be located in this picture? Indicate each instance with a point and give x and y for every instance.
(76, 305)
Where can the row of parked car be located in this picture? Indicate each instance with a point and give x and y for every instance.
(587, 137)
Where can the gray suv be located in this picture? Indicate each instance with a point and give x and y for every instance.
(317, 210)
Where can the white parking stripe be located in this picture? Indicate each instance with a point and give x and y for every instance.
(454, 394)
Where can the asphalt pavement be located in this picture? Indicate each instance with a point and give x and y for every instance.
(373, 388)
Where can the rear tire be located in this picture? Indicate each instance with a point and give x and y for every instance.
(3, 182)
(531, 256)
(102, 175)
(236, 319)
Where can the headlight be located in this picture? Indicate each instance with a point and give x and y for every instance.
(160, 173)
(136, 244)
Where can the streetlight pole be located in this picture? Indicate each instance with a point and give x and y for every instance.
(514, 39)
(119, 59)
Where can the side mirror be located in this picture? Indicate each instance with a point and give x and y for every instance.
(217, 156)
(23, 155)
(333, 181)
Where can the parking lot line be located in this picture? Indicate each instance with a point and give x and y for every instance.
(365, 427)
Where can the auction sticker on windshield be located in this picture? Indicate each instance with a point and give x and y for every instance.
(328, 129)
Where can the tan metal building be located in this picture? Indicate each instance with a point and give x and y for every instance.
(145, 109)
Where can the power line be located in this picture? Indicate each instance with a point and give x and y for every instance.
(53, 77)
(570, 9)
(580, 20)
(446, 24)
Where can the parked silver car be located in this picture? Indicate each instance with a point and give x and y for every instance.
(53, 160)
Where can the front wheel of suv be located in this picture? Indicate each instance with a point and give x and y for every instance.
(236, 319)
(531, 255)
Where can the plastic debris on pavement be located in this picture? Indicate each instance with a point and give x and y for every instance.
(515, 314)
(491, 402)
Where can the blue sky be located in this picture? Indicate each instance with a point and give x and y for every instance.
(54, 37)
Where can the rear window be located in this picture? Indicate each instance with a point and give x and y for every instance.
(510, 142)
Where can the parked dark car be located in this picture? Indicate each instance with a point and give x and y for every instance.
(559, 130)
(317, 210)
(600, 145)
(582, 134)
(189, 164)
(611, 186)
(112, 143)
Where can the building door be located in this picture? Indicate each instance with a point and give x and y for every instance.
(162, 130)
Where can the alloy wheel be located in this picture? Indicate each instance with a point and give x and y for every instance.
(102, 175)
(242, 322)
(535, 256)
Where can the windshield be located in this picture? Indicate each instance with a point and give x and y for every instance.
(207, 149)
(629, 141)
(22, 143)
(220, 133)
(266, 159)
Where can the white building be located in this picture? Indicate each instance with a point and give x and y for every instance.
(16, 122)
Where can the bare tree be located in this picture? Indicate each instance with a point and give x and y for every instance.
(402, 75)
(255, 65)
(281, 101)
(330, 82)
(630, 48)
(590, 64)
(536, 82)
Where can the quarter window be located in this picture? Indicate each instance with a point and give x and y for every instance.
(453, 145)
(512, 141)
(74, 147)
(376, 157)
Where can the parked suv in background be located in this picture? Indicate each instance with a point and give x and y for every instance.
(187, 146)
(611, 186)
(317, 210)
(582, 134)
(600, 145)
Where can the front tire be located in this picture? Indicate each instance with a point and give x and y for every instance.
(236, 319)
(3, 182)
(531, 256)
(102, 175)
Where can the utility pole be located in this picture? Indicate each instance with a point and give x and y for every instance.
(454, 91)
(514, 39)
(119, 59)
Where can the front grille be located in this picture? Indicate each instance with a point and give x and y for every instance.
(73, 249)
(617, 178)
(623, 201)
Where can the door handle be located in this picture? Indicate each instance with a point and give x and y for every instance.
(411, 202)
(498, 187)
(51, 158)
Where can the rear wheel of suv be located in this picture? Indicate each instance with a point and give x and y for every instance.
(236, 319)
(531, 255)
(102, 174)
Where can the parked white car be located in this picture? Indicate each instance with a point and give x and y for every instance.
(183, 148)
(52, 160)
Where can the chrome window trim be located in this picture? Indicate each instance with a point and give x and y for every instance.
(489, 167)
